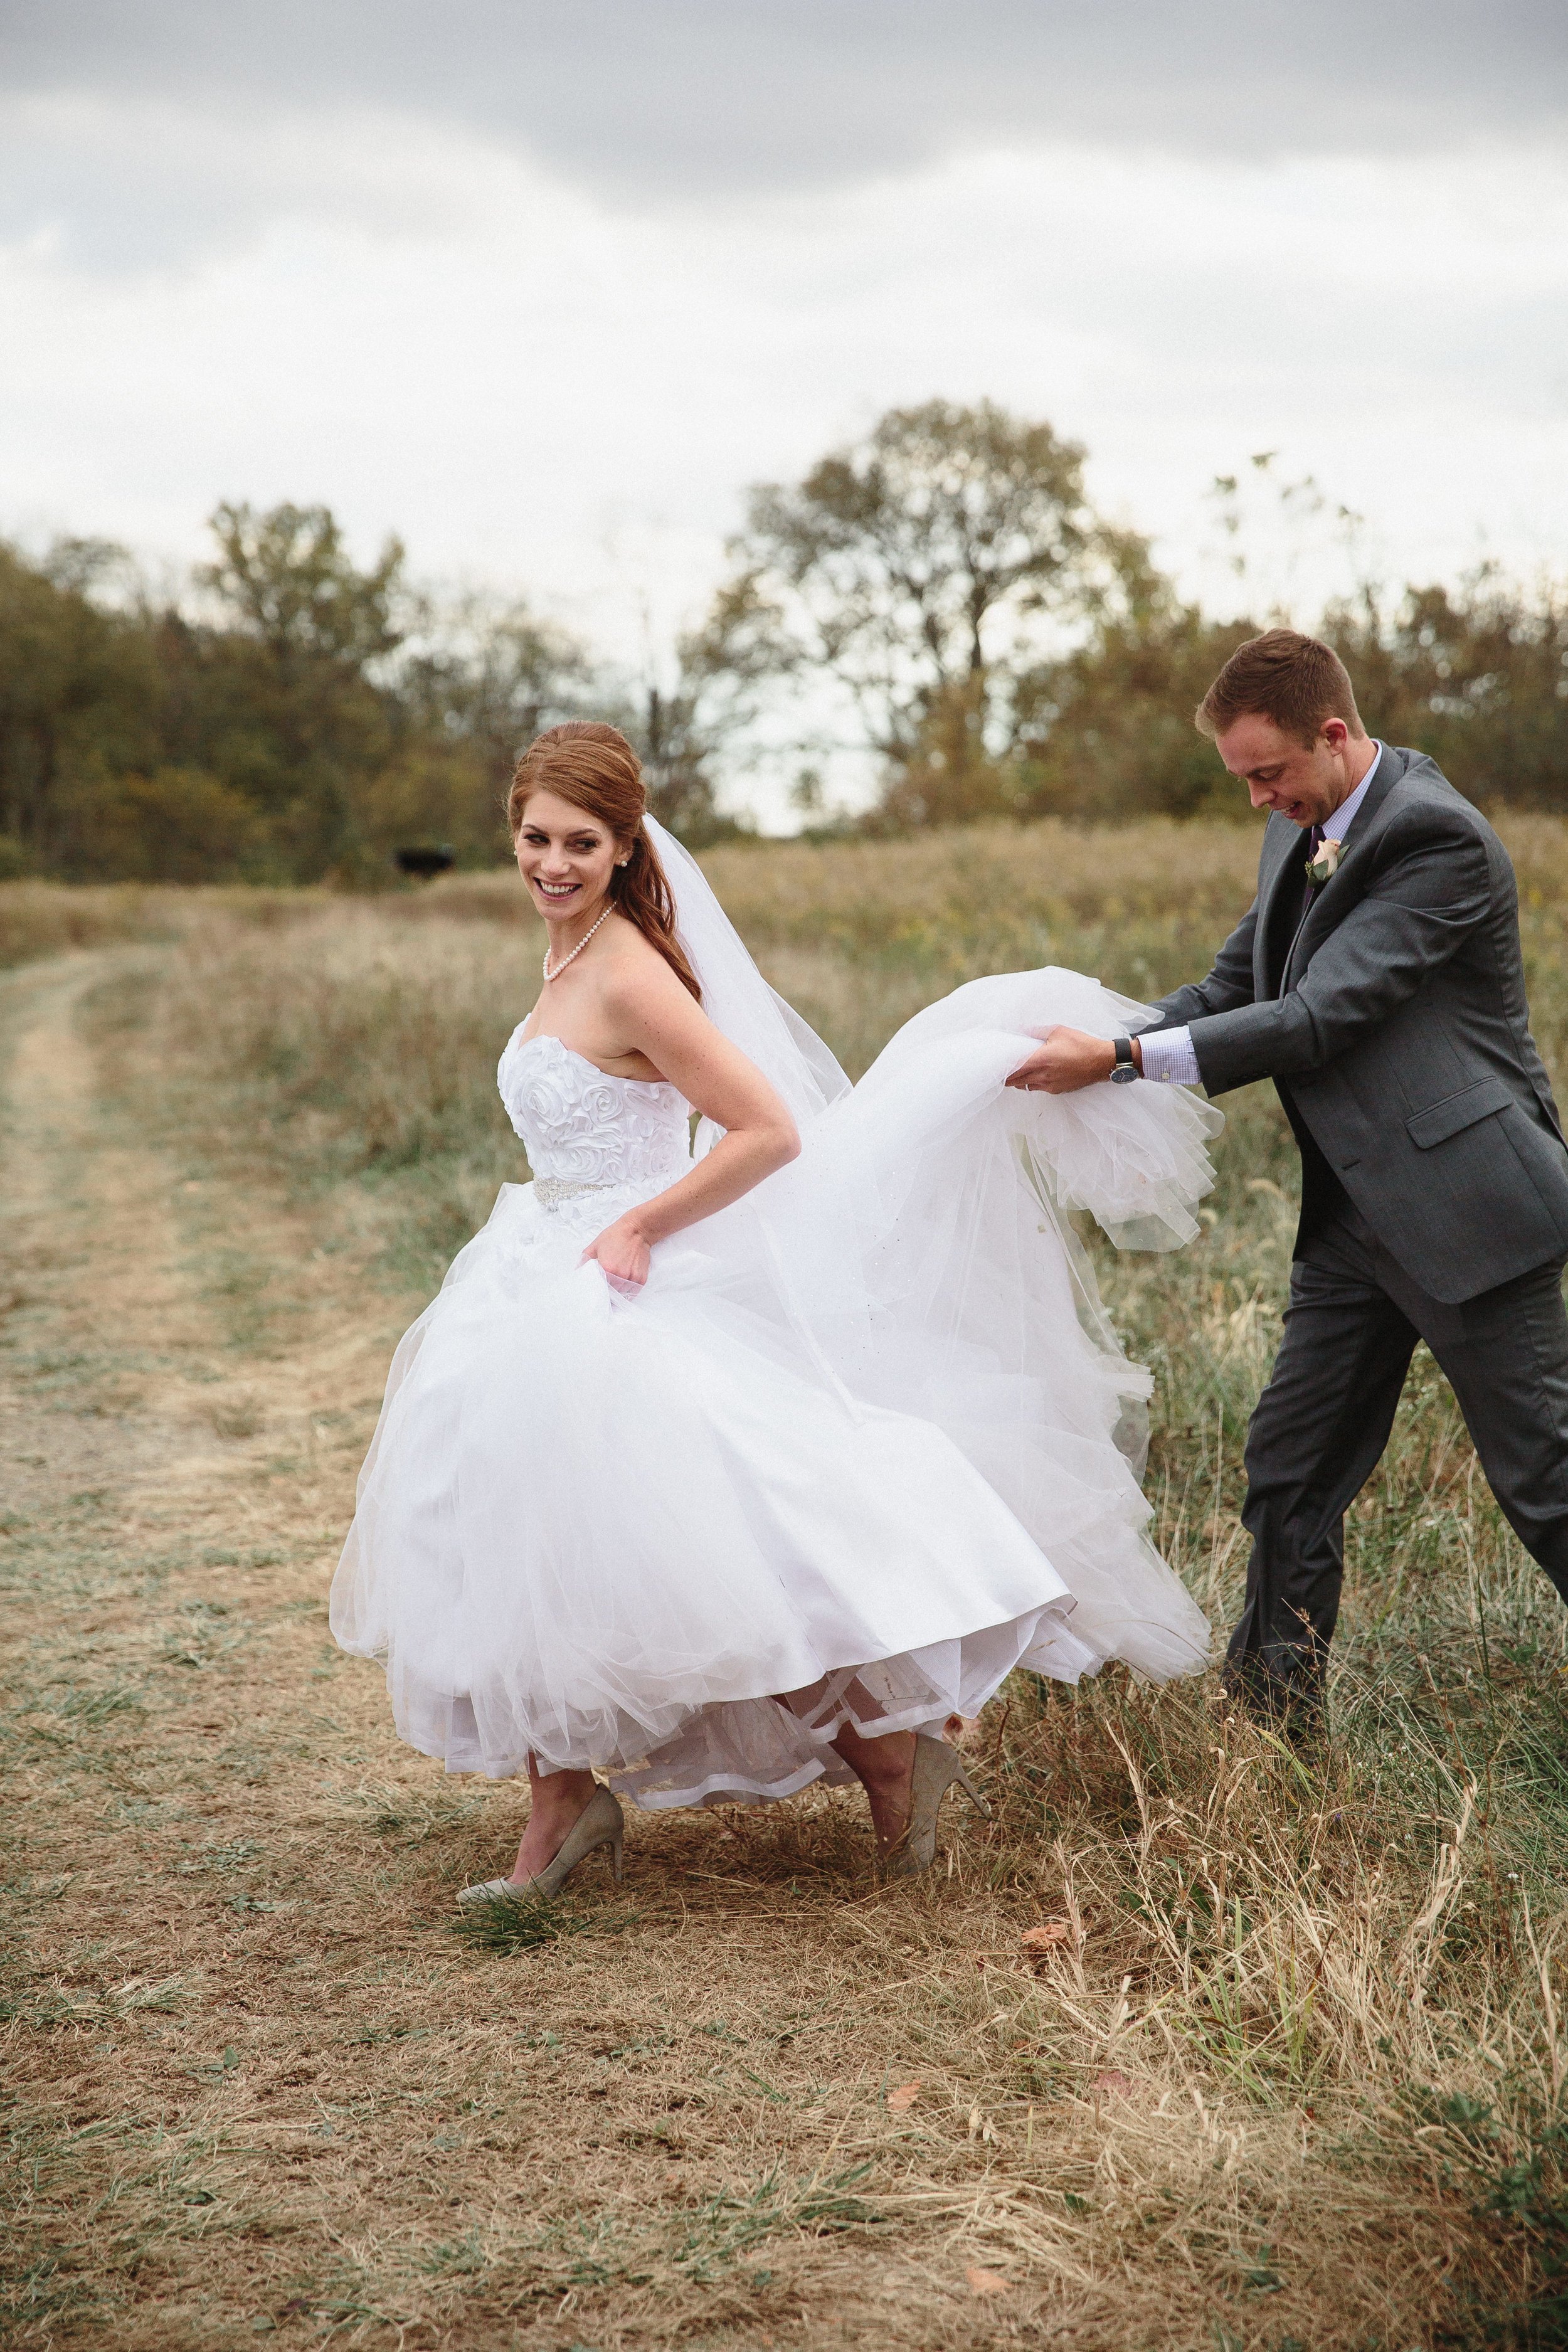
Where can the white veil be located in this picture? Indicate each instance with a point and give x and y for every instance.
(738, 1000)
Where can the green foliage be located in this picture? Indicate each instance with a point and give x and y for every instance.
(287, 578)
(1477, 674)
(912, 571)
(1001, 653)
(1105, 733)
(1511, 2168)
(177, 824)
(1007, 653)
(298, 724)
(524, 1922)
(724, 2230)
(78, 694)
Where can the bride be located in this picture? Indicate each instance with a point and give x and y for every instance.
(725, 1463)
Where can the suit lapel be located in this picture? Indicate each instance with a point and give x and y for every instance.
(1324, 911)
(1282, 880)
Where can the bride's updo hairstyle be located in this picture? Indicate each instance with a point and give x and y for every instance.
(593, 766)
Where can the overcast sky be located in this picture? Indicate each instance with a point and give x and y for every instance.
(544, 286)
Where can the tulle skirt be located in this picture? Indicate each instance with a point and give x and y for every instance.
(862, 1445)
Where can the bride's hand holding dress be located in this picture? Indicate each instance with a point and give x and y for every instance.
(623, 1010)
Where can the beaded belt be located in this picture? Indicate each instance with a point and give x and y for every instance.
(550, 1191)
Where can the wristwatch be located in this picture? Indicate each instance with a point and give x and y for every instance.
(1126, 1068)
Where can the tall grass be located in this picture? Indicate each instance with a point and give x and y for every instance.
(45, 919)
(364, 1046)
(1316, 1999)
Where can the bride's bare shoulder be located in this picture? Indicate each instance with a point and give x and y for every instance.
(643, 998)
(631, 961)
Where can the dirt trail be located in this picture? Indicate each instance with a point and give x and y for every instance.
(265, 2087)
(128, 1262)
(186, 1381)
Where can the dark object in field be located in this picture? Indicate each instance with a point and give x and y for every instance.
(426, 860)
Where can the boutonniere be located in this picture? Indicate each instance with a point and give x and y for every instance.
(1324, 865)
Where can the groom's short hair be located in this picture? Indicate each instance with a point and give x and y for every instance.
(1296, 681)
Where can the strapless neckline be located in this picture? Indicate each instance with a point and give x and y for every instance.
(521, 1044)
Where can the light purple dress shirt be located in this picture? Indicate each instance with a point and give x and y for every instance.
(1168, 1056)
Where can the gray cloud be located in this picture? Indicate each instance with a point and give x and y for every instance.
(652, 99)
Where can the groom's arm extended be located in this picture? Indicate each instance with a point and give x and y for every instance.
(1429, 895)
(1066, 1059)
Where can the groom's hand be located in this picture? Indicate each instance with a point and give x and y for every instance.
(1066, 1059)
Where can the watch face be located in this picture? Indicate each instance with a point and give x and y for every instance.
(1122, 1074)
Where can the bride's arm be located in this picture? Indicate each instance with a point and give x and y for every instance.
(661, 1020)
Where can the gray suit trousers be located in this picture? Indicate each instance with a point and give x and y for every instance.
(1323, 1420)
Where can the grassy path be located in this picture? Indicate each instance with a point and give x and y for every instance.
(260, 2085)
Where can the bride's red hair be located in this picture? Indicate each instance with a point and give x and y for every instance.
(593, 766)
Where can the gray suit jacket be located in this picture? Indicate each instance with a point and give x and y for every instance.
(1392, 1019)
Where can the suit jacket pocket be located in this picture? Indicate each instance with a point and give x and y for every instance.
(1442, 1119)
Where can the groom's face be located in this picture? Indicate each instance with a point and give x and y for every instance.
(1281, 773)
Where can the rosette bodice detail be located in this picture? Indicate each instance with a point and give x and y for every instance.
(585, 1131)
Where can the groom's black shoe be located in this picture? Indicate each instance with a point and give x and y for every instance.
(1294, 1705)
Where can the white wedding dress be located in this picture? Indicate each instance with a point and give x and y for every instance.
(863, 1439)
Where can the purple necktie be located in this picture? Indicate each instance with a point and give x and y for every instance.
(1315, 841)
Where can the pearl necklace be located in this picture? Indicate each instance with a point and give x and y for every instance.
(577, 950)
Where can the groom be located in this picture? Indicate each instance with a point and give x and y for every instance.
(1377, 980)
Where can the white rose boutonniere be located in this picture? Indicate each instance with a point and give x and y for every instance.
(1324, 865)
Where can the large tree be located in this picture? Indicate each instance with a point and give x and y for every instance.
(921, 571)
(1104, 731)
(492, 672)
(481, 676)
(292, 690)
(79, 693)
(684, 726)
(1476, 674)
(287, 578)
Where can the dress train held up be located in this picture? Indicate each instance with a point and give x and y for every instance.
(865, 1438)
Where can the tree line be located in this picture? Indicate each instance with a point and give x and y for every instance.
(942, 598)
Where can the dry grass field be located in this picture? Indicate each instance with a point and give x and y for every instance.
(1196, 2047)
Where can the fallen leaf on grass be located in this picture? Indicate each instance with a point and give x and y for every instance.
(1038, 1941)
(903, 2099)
(1112, 2081)
(986, 2282)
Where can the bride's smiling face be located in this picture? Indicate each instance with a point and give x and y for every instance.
(566, 856)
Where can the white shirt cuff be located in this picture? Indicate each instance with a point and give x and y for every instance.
(1168, 1056)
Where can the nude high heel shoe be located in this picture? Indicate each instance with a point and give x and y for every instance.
(938, 1767)
(600, 1822)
